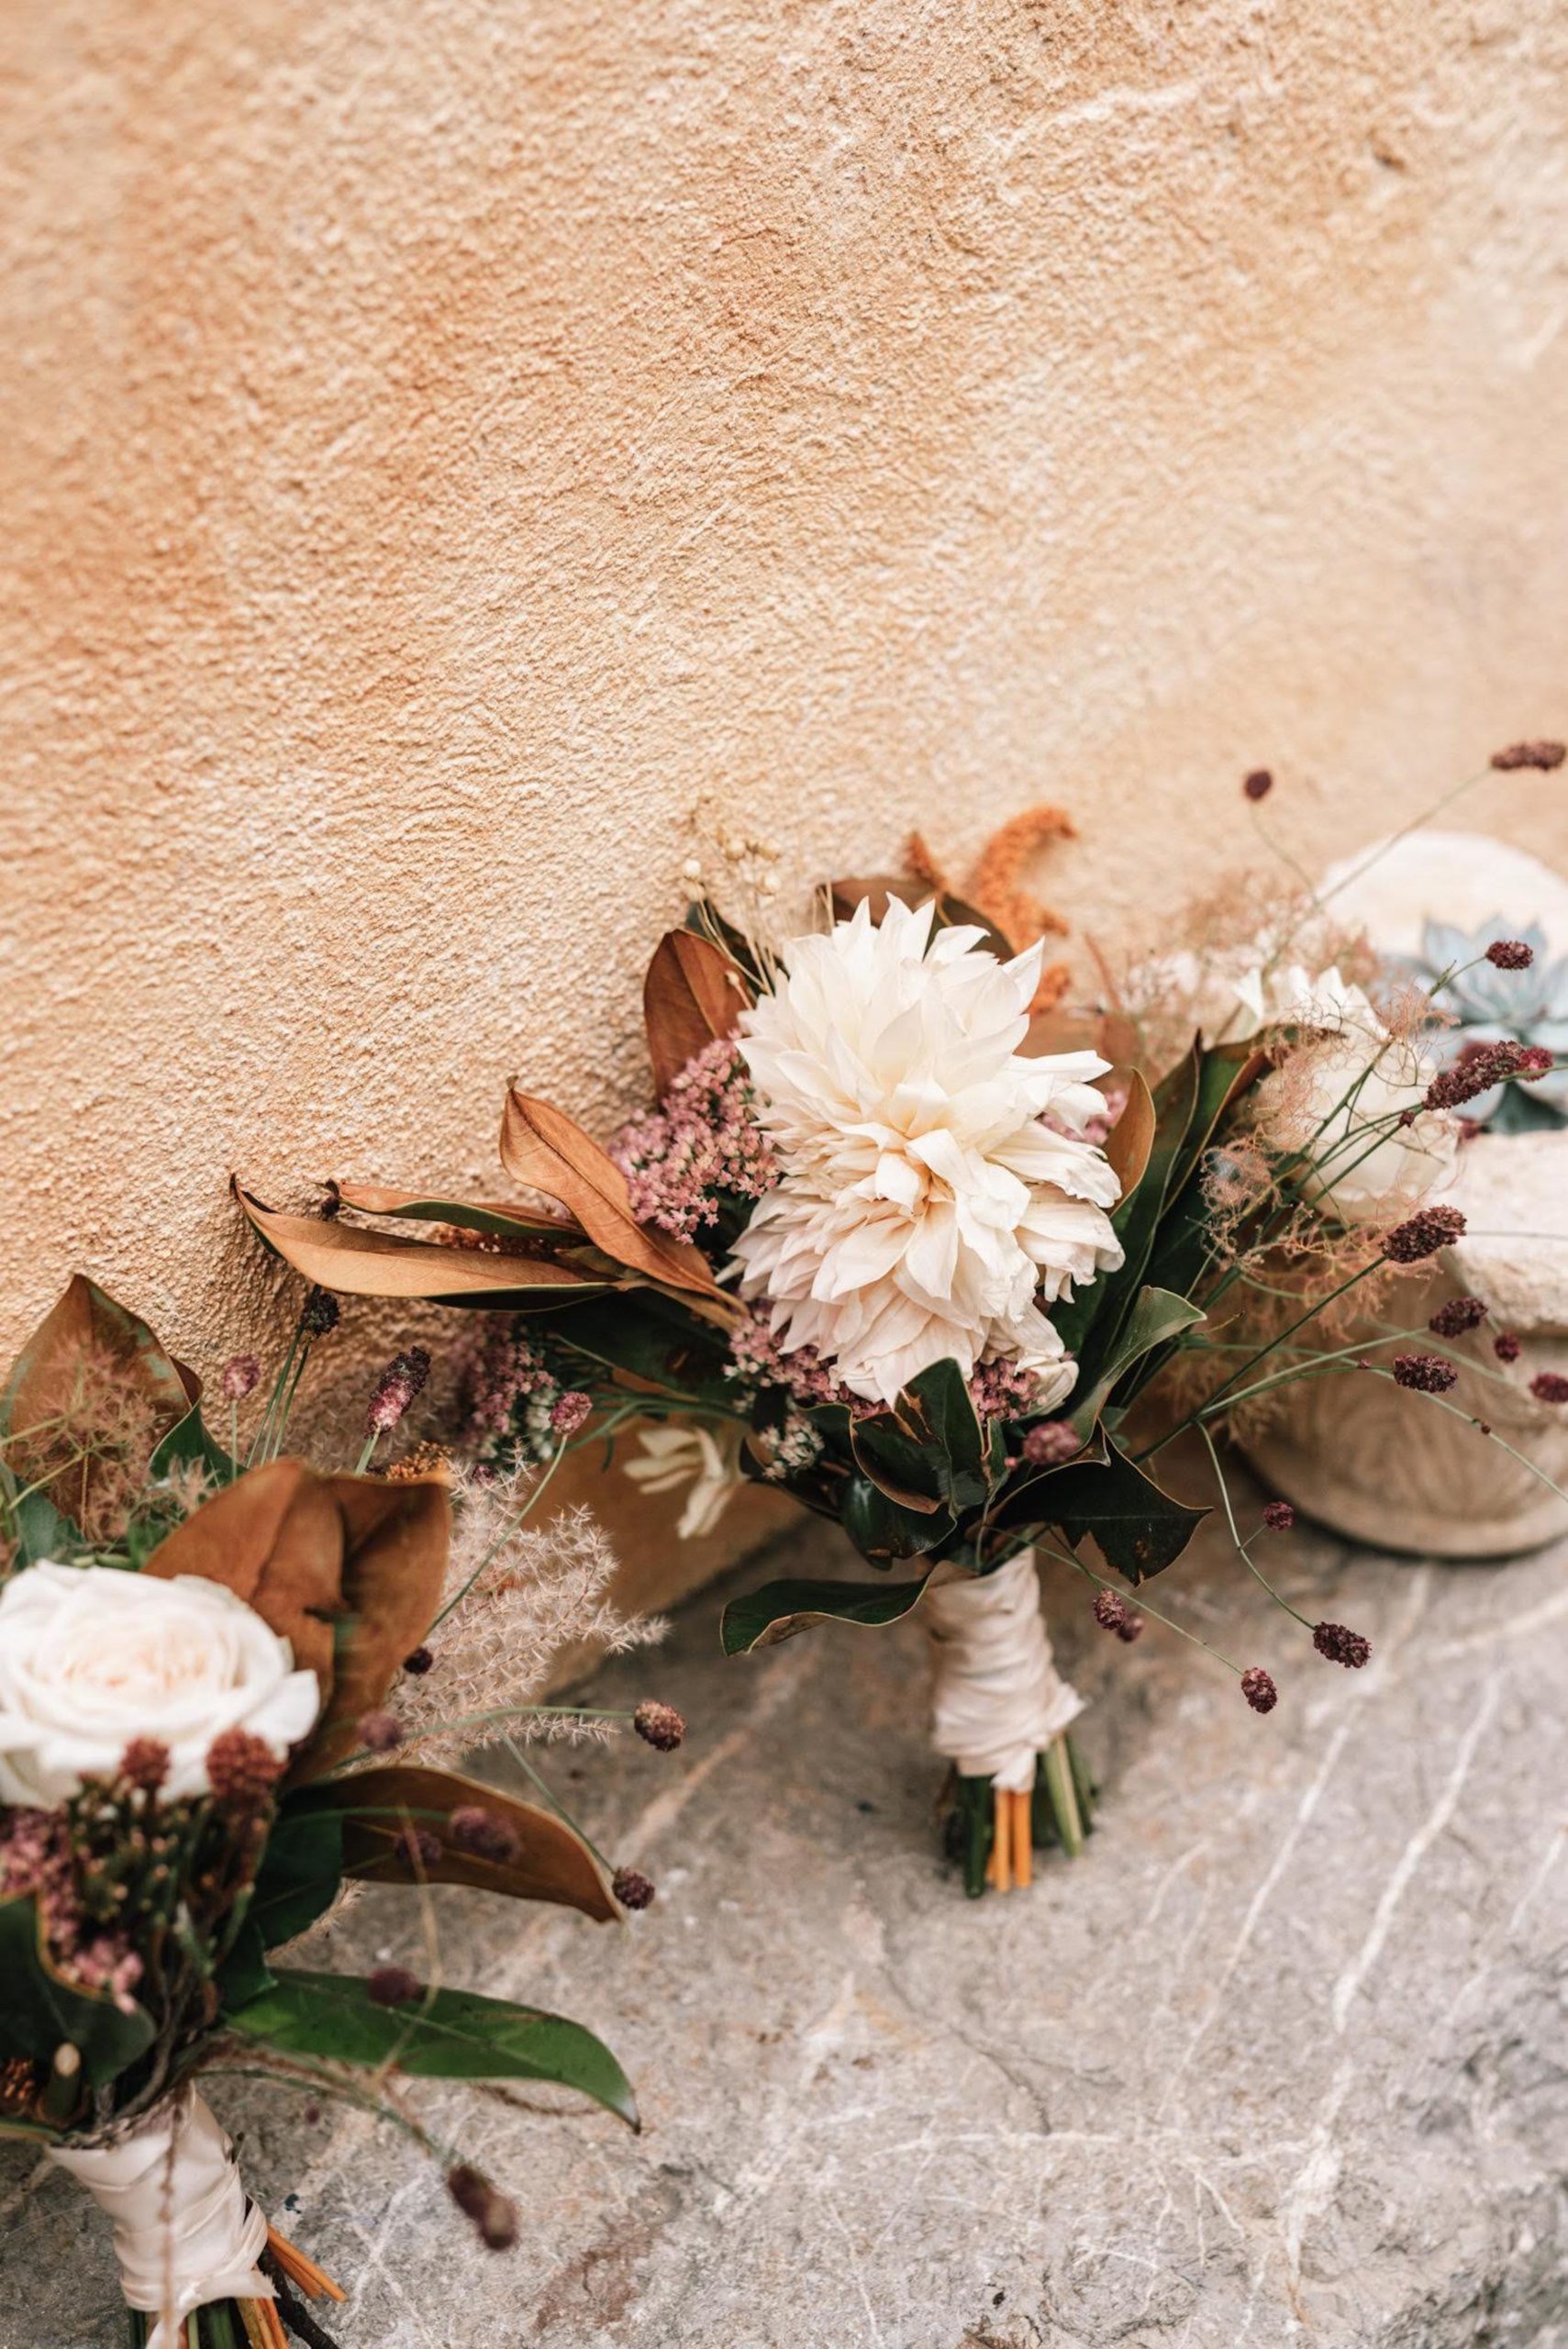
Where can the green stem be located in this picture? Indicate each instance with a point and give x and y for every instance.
(1243, 1552)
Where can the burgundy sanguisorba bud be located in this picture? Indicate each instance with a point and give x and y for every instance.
(1259, 1689)
(239, 1378)
(1510, 954)
(1550, 1386)
(419, 1662)
(145, 1764)
(1257, 785)
(1423, 1234)
(1459, 1315)
(632, 1888)
(1508, 1345)
(391, 1986)
(482, 1833)
(493, 2215)
(1424, 1374)
(417, 1849)
(380, 1732)
(1542, 756)
(1338, 1645)
(242, 1770)
(320, 1313)
(1278, 1516)
(396, 1387)
(659, 1725)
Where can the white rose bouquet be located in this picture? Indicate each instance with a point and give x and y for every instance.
(902, 1237)
(200, 1743)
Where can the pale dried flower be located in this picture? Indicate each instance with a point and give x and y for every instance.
(530, 1595)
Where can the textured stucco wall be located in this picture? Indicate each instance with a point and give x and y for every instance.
(440, 438)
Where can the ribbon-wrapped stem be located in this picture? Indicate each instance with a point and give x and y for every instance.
(185, 2233)
(1000, 1712)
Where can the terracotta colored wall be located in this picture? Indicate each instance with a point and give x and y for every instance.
(440, 437)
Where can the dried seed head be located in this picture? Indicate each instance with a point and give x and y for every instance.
(417, 1850)
(1458, 1315)
(320, 1313)
(1542, 756)
(1341, 1646)
(391, 1986)
(242, 1770)
(1257, 785)
(145, 1764)
(1424, 1374)
(379, 1731)
(1510, 954)
(632, 1888)
(418, 1663)
(570, 1412)
(1550, 1386)
(1278, 1516)
(1259, 1689)
(1508, 1346)
(239, 1377)
(493, 2215)
(1422, 1235)
(659, 1725)
(483, 1833)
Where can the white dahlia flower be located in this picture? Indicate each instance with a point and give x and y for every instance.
(925, 1209)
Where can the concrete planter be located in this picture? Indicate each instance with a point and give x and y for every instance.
(1364, 1456)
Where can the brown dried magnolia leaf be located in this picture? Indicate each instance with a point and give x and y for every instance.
(275, 1538)
(502, 1216)
(543, 1148)
(88, 1401)
(691, 997)
(355, 1263)
(394, 1561)
(551, 1862)
(1131, 1139)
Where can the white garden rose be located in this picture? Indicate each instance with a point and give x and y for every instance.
(1340, 1099)
(91, 1657)
(935, 1192)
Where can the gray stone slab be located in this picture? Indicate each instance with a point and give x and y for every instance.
(1283, 2059)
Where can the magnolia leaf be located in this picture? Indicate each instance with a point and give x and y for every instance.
(1140, 1529)
(372, 1808)
(444, 2035)
(300, 1874)
(244, 1973)
(649, 1336)
(505, 1217)
(951, 913)
(1131, 1139)
(692, 996)
(883, 1529)
(190, 1441)
(1156, 1317)
(348, 1569)
(356, 1262)
(40, 2009)
(86, 1340)
(543, 1148)
(780, 1610)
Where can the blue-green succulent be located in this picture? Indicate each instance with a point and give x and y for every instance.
(1487, 1004)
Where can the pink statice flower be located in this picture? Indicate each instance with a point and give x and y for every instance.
(699, 1149)
(1003, 1390)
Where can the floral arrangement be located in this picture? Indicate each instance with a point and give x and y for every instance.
(230, 1685)
(901, 1237)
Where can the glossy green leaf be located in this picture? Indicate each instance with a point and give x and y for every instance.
(39, 2008)
(780, 1610)
(1155, 1319)
(645, 1335)
(189, 1440)
(882, 1530)
(301, 1870)
(1140, 1529)
(446, 2035)
(244, 1973)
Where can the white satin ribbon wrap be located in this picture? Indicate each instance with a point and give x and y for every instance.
(998, 1700)
(184, 2231)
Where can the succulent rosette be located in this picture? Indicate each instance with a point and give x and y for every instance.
(194, 1735)
(952, 1266)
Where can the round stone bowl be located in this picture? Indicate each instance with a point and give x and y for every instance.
(1394, 1469)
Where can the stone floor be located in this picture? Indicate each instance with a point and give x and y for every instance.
(1283, 2059)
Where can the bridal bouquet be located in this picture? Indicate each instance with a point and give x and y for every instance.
(895, 1241)
(214, 1715)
